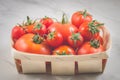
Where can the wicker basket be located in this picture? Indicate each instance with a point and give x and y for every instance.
(63, 65)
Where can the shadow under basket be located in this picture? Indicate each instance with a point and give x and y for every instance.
(63, 65)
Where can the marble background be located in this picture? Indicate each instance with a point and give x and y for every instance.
(15, 11)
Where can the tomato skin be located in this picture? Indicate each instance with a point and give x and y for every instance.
(17, 32)
(41, 30)
(29, 28)
(78, 18)
(36, 28)
(47, 21)
(26, 44)
(85, 31)
(63, 48)
(75, 43)
(64, 29)
(86, 48)
(56, 39)
(100, 39)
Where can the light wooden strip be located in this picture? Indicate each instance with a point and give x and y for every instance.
(90, 66)
(63, 67)
(29, 66)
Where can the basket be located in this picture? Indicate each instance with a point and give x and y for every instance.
(63, 65)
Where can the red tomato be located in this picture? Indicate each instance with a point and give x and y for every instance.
(79, 17)
(34, 27)
(29, 25)
(47, 21)
(75, 40)
(91, 47)
(100, 39)
(64, 50)
(89, 30)
(64, 29)
(32, 43)
(29, 28)
(54, 39)
(40, 29)
(17, 32)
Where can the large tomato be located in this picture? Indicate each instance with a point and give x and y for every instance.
(75, 40)
(64, 50)
(54, 39)
(17, 32)
(89, 30)
(65, 28)
(91, 47)
(79, 17)
(32, 43)
(47, 21)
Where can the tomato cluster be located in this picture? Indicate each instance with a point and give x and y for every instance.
(46, 36)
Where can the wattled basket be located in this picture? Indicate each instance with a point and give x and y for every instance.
(63, 65)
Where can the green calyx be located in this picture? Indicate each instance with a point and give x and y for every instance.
(28, 22)
(62, 53)
(51, 35)
(64, 19)
(46, 17)
(93, 27)
(37, 39)
(38, 26)
(75, 38)
(84, 13)
(95, 43)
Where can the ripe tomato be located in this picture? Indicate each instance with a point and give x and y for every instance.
(64, 29)
(47, 21)
(54, 39)
(32, 43)
(29, 28)
(100, 39)
(91, 47)
(34, 27)
(17, 32)
(64, 50)
(29, 25)
(79, 17)
(89, 30)
(75, 40)
(40, 29)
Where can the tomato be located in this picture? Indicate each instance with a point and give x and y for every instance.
(47, 21)
(79, 17)
(32, 43)
(64, 50)
(29, 28)
(100, 39)
(17, 32)
(40, 29)
(65, 28)
(29, 25)
(75, 40)
(91, 47)
(90, 30)
(34, 27)
(54, 39)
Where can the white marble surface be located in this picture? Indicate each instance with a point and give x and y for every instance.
(15, 11)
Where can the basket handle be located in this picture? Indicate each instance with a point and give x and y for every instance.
(106, 37)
